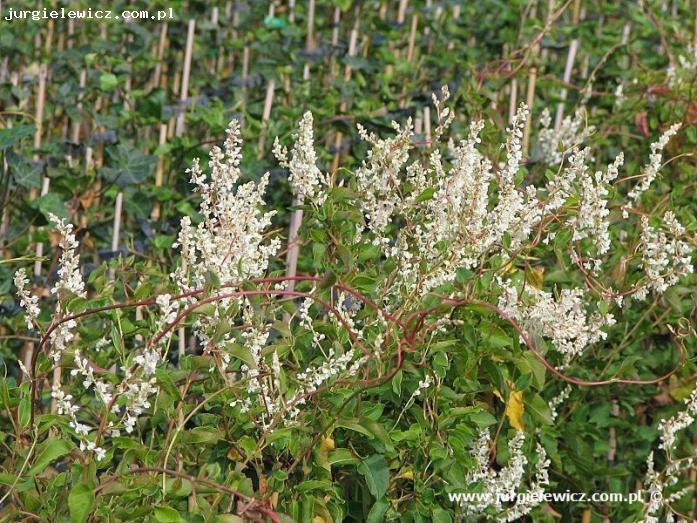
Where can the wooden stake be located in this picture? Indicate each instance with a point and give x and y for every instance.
(567, 77)
(402, 11)
(40, 103)
(245, 80)
(412, 37)
(530, 101)
(513, 101)
(310, 41)
(268, 101)
(161, 46)
(291, 11)
(344, 105)
(117, 229)
(427, 123)
(185, 77)
(293, 250)
(159, 173)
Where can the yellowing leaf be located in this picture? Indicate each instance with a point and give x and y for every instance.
(535, 276)
(407, 474)
(327, 444)
(515, 409)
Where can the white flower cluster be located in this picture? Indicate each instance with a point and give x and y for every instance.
(27, 300)
(314, 377)
(445, 206)
(564, 321)
(503, 485)
(139, 382)
(307, 180)
(680, 421)
(650, 170)
(554, 144)
(591, 219)
(104, 390)
(66, 407)
(137, 393)
(229, 242)
(665, 257)
(69, 276)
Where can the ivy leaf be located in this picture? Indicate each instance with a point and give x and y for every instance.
(80, 503)
(25, 172)
(127, 166)
(51, 204)
(374, 470)
(13, 135)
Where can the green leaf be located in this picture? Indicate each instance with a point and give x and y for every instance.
(377, 511)
(342, 457)
(165, 514)
(163, 241)
(203, 435)
(128, 166)
(482, 418)
(11, 136)
(24, 411)
(53, 449)
(80, 502)
(107, 81)
(51, 204)
(240, 352)
(441, 515)
(374, 470)
(539, 409)
(353, 424)
(25, 173)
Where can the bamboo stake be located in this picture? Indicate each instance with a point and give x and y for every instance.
(291, 11)
(335, 42)
(410, 54)
(530, 101)
(179, 130)
(353, 40)
(40, 103)
(266, 115)
(402, 11)
(568, 67)
(181, 118)
(427, 123)
(117, 229)
(513, 103)
(159, 173)
(412, 37)
(293, 249)
(310, 42)
(161, 46)
(245, 79)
